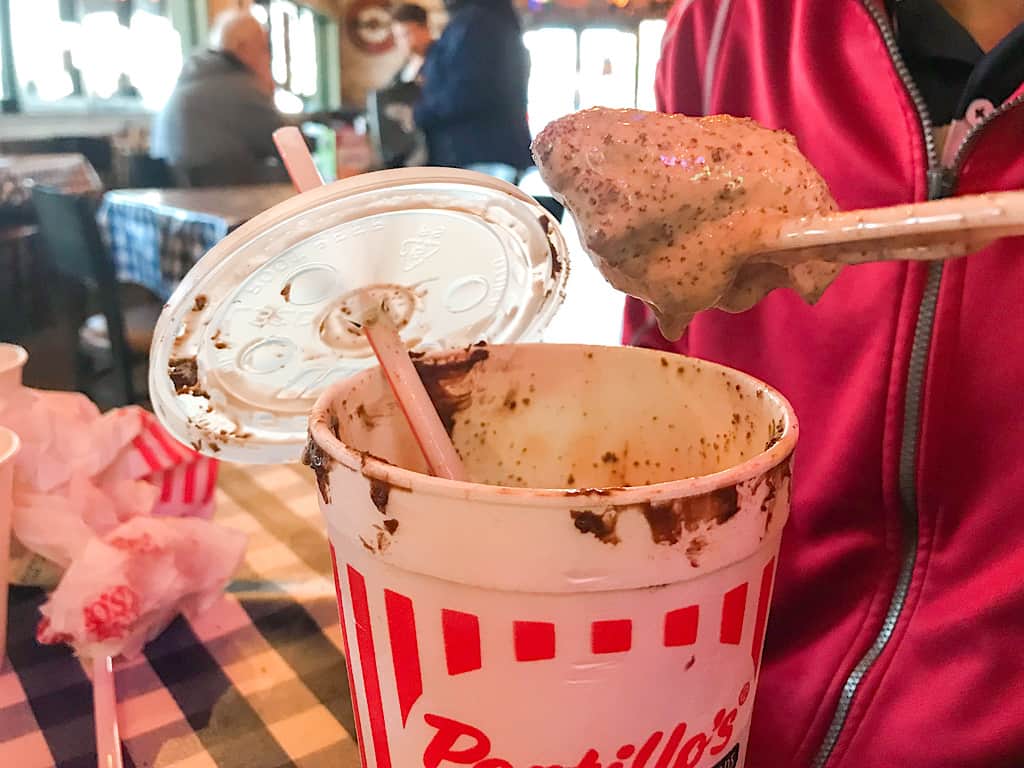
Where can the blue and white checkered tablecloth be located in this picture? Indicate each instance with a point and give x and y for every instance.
(155, 247)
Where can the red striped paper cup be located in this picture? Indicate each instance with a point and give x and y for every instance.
(598, 598)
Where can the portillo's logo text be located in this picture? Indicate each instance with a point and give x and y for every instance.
(455, 743)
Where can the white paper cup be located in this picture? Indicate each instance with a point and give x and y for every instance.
(9, 446)
(12, 362)
(511, 627)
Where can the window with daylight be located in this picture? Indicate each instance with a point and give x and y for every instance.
(575, 67)
(300, 41)
(649, 37)
(94, 52)
(552, 51)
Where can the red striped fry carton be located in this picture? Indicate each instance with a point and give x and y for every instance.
(187, 479)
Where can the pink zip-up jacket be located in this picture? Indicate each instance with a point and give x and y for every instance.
(896, 637)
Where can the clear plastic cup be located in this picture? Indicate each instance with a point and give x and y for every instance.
(597, 598)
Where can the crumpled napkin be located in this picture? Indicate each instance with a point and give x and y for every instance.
(124, 588)
(90, 489)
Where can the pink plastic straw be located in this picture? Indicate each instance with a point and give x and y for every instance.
(104, 703)
(413, 399)
(293, 150)
(387, 345)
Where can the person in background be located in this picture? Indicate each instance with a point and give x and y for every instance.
(473, 104)
(396, 139)
(898, 616)
(412, 34)
(217, 126)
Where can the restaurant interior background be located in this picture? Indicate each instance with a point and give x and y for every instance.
(81, 79)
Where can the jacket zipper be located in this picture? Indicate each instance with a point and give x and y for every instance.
(953, 171)
(938, 186)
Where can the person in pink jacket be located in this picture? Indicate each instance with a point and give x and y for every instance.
(897, 633)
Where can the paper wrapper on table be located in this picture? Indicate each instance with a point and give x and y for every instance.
(123, 589)
(600, 595)
(82, 473)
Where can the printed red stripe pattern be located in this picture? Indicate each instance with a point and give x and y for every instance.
(681, 626)
(368, 664)
(533, 640)
(146, 451)
(348, 661)
(761, 618)
(211, 479)
(405, 651)
(461, 641)
(167, 487)
(614, 636)
(734, 605)
(189, 493)
(171, 450)
(174, 450)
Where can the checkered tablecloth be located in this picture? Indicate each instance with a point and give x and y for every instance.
(155, 247)
(257, 682)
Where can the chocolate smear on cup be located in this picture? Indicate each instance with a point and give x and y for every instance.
(370, 422)
(366, 456)
(314, 457)
(381, 537)
(775, 480)
(697, 545)
(665, 524)
(601, 526)
(379, 494)
(668, 519)
(442, 376)
(317, 459)
(775, 431)
(510, 400)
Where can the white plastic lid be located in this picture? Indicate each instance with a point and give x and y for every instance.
(258, 328)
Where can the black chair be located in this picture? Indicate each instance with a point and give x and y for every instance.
(230, 172)
(119, 335)
(19, 292)
(97, 150)
(145, 172)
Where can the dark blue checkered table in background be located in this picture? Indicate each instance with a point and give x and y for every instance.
(156, 235)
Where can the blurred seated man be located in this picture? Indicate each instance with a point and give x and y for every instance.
(216, 127)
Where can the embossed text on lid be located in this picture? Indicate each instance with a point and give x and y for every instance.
(262, 322)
